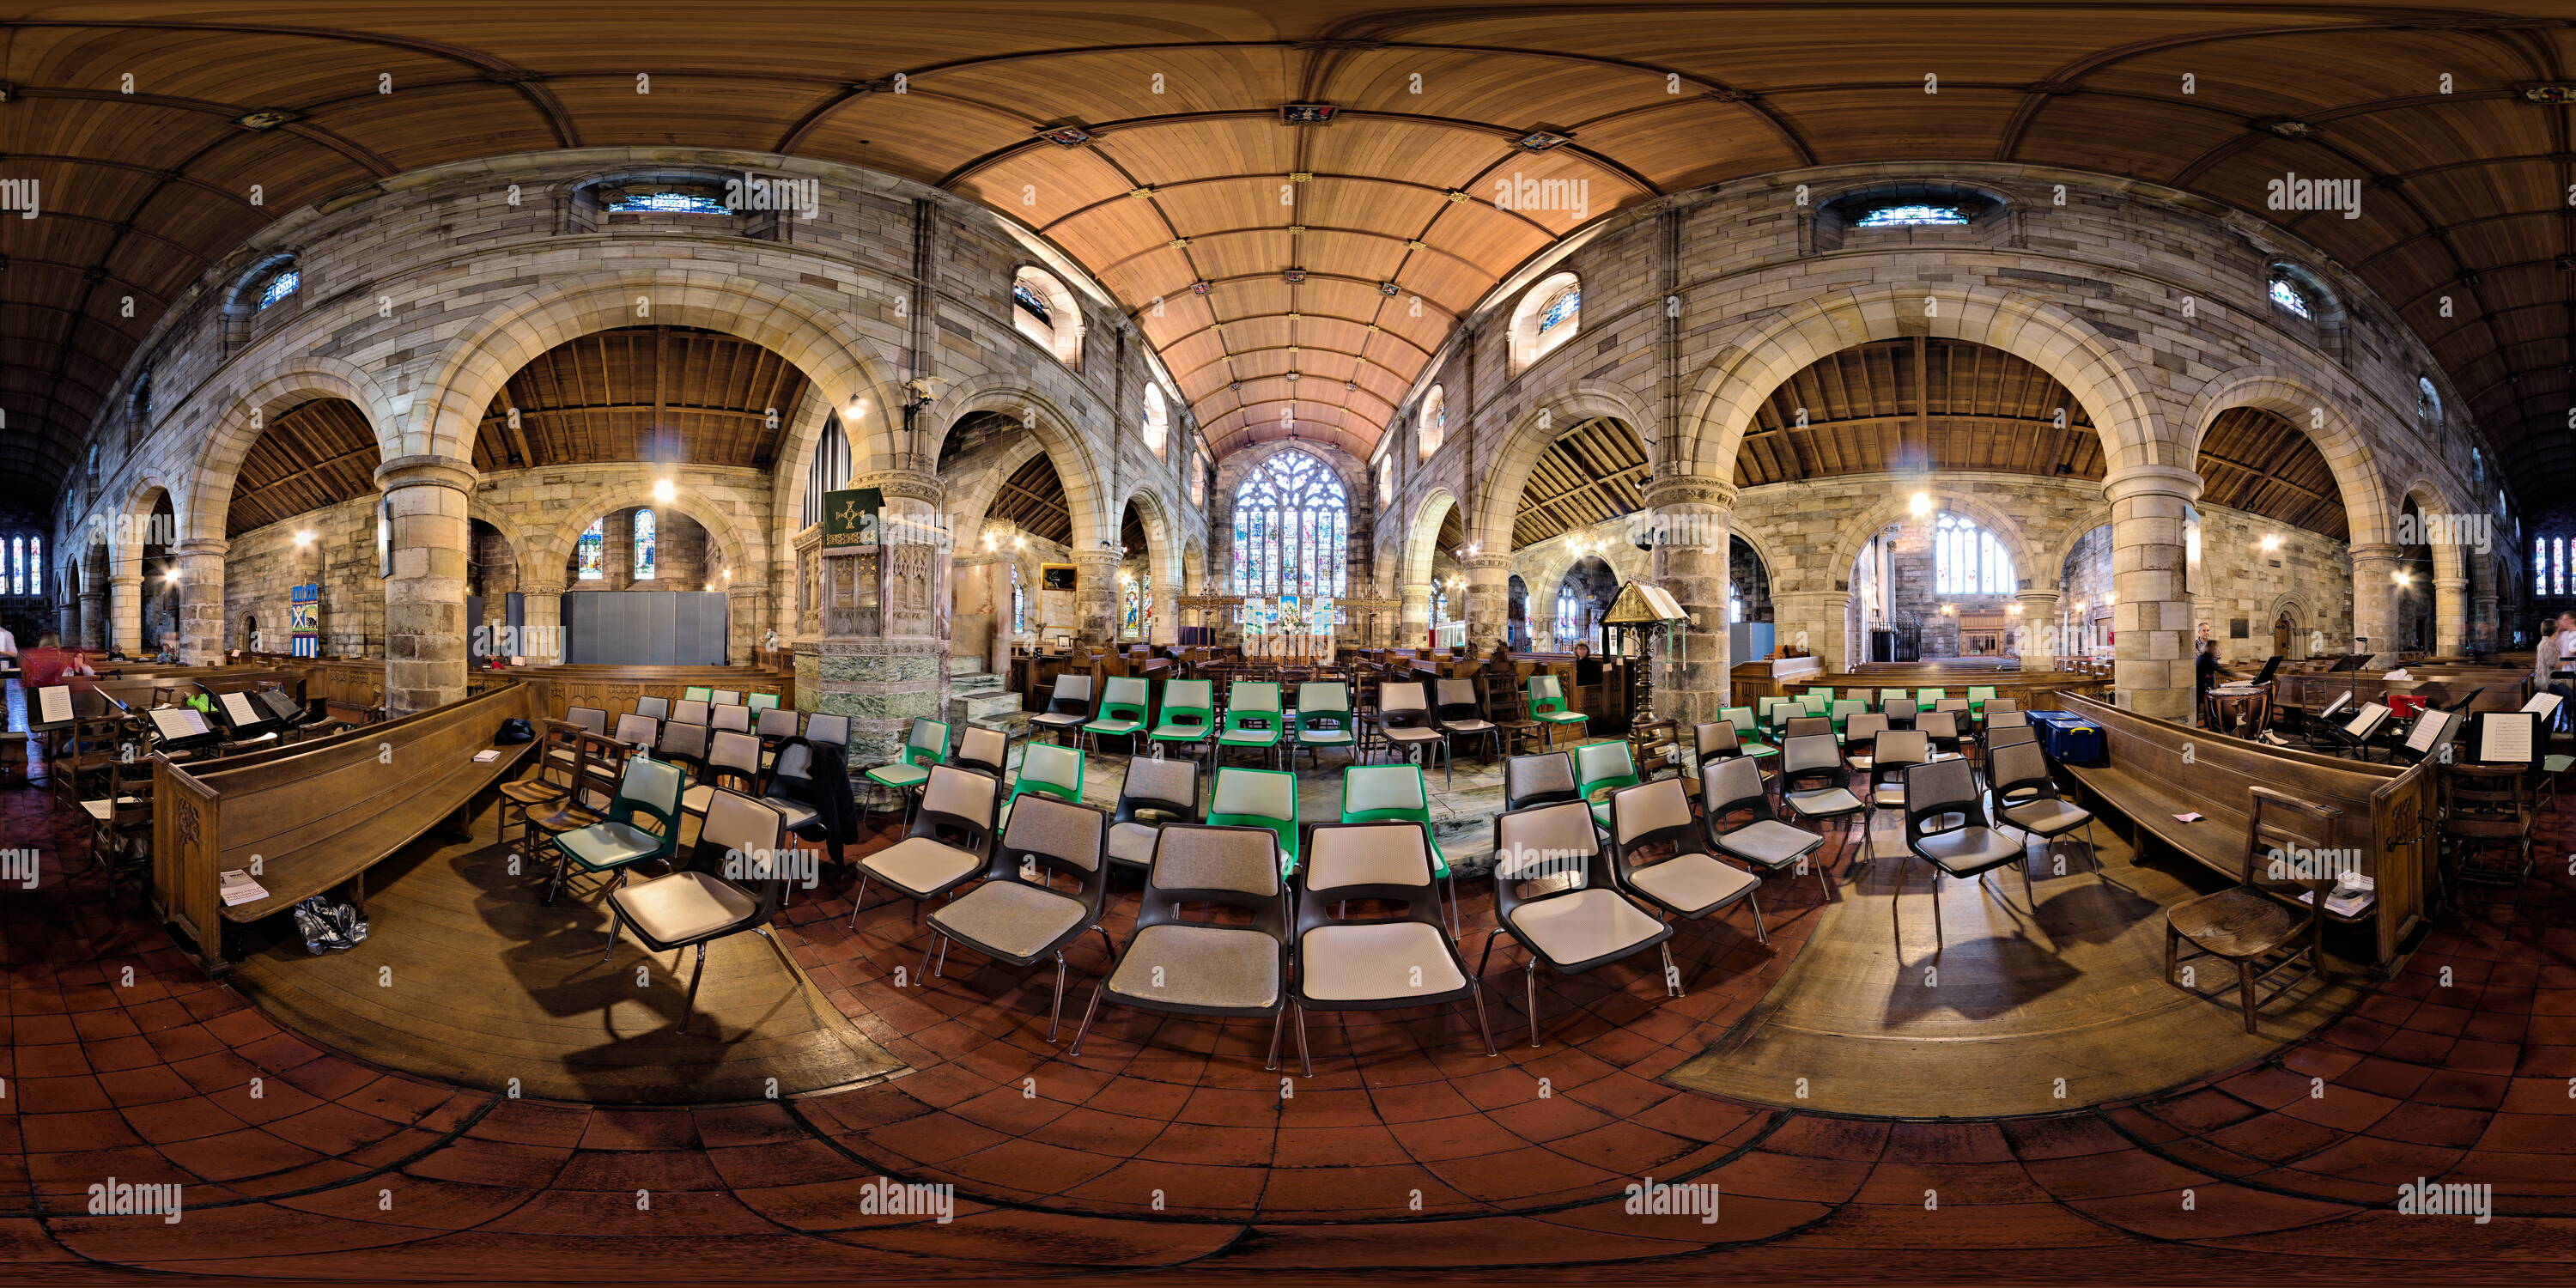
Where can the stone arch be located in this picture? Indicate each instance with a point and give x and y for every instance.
(263, 400)
(1723, 399)
(1855, 532)
(739, 544)
(2369, 514)
(809, 332)
(1490, 527)
(1050, 431)
(2450, 558)
(133, 517)
(1422, 538)
(2063, 548)
(1162, 554)
(1194, 566)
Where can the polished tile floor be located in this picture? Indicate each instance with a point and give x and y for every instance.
(1165, 1145)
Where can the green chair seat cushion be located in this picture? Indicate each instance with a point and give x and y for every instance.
(609, 845)
(899, 775)
(1113, 726)
(1179, 733)
(1249, 737)
(1561, 717)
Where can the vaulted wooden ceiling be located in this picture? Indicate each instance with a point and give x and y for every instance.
(2465, 227)
(1915, 404)
(321, 453)
(667, 394)
(2254, 460)
(1032, 500)
(1593, 472)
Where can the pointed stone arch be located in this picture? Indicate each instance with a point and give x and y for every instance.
(1050, 431)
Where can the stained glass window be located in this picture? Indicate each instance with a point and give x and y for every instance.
(17, 565)
(591, 552)
(1291, 529)
(280, 286)
(1439, 603)
(1968, 560)
(2428, 402)
(644, 544)
(36, 566)
(1912, 215)
(1019, 604)
(1028, 300)
(2288, 295)
(667, 203)
(1570, 626)
(1567, 304)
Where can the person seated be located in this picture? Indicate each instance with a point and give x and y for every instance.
(1587, 668)
(49, 664)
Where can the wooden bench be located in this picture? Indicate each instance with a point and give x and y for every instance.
(615, 689)
(312, 817)
(2387, 809)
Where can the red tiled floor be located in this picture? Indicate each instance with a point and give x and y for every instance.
(1166, 1142)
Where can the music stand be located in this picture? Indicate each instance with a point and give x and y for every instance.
(182, 729)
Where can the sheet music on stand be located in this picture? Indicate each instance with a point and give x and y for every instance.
(2366, 721)
(180, 728)
(2427, 731)
(238, 710)
(2545, 706)
(53, 707)
(2505, 738)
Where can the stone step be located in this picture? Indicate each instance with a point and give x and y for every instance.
(977, 684)
(991, 710)
(965, 665)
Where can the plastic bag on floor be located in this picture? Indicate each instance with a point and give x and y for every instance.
(329, 925)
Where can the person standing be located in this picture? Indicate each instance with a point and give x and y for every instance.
(2553, 665)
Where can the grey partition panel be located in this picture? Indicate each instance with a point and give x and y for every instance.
(644, 627)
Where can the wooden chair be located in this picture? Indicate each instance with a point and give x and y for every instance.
(2485, 807)
(2250, 924)
(558, 771)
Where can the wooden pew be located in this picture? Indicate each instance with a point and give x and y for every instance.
(2503, 689)
(2387, 809)
(615, 689)
(311, 817)
(2034, 690)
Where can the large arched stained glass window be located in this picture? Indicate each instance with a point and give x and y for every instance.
(644, 544)
(1291, 526)
(592, 550)
(1968, 560)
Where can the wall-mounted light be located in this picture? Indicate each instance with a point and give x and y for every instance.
(2272, 541)
(304, 538)
(663, 491)
(858, 408)
(710, 586)
(2013, 609)
(170, 575)
(2080, 605)
(2108, 600)
(728, 574)
(2402, 577)
(1019, 543)
(1921, 504)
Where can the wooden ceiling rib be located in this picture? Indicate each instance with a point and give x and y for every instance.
(2260, 462)
(1592, 473)
(317, 454)
(1032, 500)
(665, 394)
(2463, 230)
(1918, 404)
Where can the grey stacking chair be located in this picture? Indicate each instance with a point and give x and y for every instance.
(986, 751)
(1461, 713)
(658, 708)
(2026, 797)
(1815, 783)
(1542, 779)
(1178, 966)
(1570, 928)
(1376, 963)
(1860, 739)
(1729, 787)
(696, 713)
(832, 729)
(1068, 707)
(733, 761)
(725, 697)
(1970, 848)
(591, 719)
(735, 718)
(696, 905)
(1016, 914)
(947, 845)
(1404, 720)
(684, 745)
(1662, 855)
(1155, 795)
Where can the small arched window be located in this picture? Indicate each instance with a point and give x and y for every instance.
(1157, 427)
(1439, 602)
(1385, 478)
(1548, 316)
(284, 280)
(2287, 293)
(1907, 214)
(1198, 480)
(591, 553)
(665, 199)
(1019, 603)
(1571, 628)
(645, 543)
(1431, 427)
(140, 404)
(1044, 311)
(2428, 403)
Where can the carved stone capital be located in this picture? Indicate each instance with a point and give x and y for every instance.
(1689, 489)
(908, 485)
(425, 471)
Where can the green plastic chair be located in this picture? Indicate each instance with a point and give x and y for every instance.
(1924, 698)
(1844, 709)
(649, 791)
(1260, 798)
(1395, 793)
(1324, 718)
(1049, 769)
(1123, 699)
(1253, 717)
(927, 746)
(1547, 702)
(764, 702)
(698, 693)
(1815, 704)
(1977, 695)
(1742, 719)
(1189, 713)
(1603, 767)
(1825, 691)
(1886, 696)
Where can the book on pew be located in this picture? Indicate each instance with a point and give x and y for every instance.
(2350, 897)
(487, 756)
(238, 888)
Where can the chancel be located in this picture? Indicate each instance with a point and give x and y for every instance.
(1505, 641)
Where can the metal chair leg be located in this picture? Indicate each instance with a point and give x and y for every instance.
(860, 901)
(1672, 973)
(1759, 933)
(1482, 1025)
(1305, 1058)
(1055, 1014)
(1530, 977)
(1487, 957)
(1278, 1029)
(695, 976)
(922, 978)
(1087, 1013)
(616, 922)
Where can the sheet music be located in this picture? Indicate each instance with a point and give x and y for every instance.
(2428, 730)
(237, 707)
(2544, 705)
(2366, 721)
(2505, 738)
(2337, 704)
(174, 723)
(54, 704)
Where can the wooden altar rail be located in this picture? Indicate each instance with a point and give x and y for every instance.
(2034, 690)
(314, 816)
(2154, 769)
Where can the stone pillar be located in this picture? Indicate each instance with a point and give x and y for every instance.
(2450, 616)
(1818, 621)
(617, 550)
(1413, 616)
(883, 656)
(2152, 620)
(1489, 600)
(541, 622)
(1095, 595)
(2374, 596)
(1165, 625)
(1694, 522)
(425, 597)
(93, 621)
(200, 563)
(2036, 628)
(126, 602)
(746, 612)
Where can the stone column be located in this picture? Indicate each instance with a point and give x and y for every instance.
(883, 656)
(1817, 621)
(2037, 629)
(617, 550)
(1413, 616)
(200, 563)
(425, 597)
(746, 611)
(2152, 620)
(1489, 602)
(126, 602)
(93, 621)
(1694, 522)
(1095, 595)
(2450, 616)
(2374, 596)
(541, 622)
